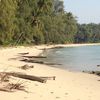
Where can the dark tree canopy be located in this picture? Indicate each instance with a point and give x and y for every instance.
(88, 33)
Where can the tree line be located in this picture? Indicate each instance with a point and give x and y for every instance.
(35, 22)
(87, 33)
(42, 22)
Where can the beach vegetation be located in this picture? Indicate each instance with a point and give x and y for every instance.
(42, 22)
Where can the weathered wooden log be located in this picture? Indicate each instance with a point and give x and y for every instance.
(25, 76)
(29, 77)
(24, 53)
(32, 61)
(35, 56)
(49, 77)
(39, 62)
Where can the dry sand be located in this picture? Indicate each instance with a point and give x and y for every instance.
(67, 86)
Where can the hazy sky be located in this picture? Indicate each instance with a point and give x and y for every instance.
(87, 11)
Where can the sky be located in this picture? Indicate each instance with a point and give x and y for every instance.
(86, 11)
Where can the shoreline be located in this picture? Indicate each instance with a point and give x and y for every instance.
(53, 45)
(76, 45)
(68, 85)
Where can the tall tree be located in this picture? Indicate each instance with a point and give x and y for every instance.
(7, 19)
(35, 21)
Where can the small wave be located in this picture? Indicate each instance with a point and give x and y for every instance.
(58, 52)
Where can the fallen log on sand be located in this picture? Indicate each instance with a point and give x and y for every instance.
(32, 61)
(34, 56)
(24, 53)
(25, 76)
(39, 62)
(29, 77)
(49, 78)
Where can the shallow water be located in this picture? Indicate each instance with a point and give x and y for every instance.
(75, 58)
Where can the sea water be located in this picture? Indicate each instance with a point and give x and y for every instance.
(82, 58)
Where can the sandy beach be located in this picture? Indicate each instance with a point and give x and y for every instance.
(67, 85)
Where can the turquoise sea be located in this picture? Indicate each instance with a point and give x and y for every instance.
(83, 58)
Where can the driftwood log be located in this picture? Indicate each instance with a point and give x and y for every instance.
(34, 56)
(49, 78)
(25, 76)
(39, 62)
(41, 79)
(24, 53)
(32, 61)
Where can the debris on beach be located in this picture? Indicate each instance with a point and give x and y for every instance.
(93, 72)
(4, 77)
(26, 66)
(8, 85)
(34, 56)
(25, 53)
(98, 65)
(39, 62)
(12, 87)
(49, 77)
(15, 86)
(41, 79)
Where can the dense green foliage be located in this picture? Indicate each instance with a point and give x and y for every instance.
(42, 22)
(35, 22)
(88, 33)
(7, 20)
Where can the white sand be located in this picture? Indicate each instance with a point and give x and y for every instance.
(67, 86)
